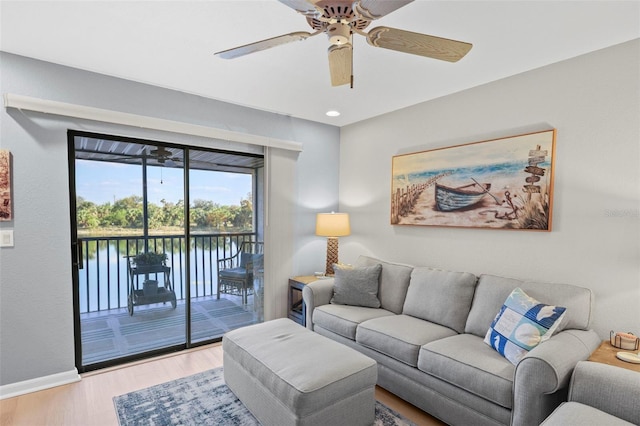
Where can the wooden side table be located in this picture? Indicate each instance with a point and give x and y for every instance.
(296, 306)
(606, 354)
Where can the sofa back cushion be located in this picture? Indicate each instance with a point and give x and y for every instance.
(442, 297)
(394, 281)
(492, 291)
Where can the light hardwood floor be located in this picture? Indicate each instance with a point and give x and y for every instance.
(89, 402)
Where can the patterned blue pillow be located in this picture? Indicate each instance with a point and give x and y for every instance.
(521, 325)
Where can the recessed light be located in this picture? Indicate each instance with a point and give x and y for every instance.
(333, 113)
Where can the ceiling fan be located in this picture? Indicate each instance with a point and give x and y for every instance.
(162, 155)
(339, 19)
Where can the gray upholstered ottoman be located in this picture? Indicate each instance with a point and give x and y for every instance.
(287, 375)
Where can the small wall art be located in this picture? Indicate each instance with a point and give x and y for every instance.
(503, 183)
(6, 207)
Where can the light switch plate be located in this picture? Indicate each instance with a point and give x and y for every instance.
(6, 237)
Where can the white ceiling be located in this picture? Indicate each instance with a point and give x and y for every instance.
(171, 44)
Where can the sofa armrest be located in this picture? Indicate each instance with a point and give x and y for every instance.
(314, 294)
(614, 390)
(542, 377)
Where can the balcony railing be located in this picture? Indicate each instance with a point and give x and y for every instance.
(104, 274)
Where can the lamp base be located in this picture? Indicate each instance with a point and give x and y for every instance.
(332, 254)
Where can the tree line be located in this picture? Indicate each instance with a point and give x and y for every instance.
(127, 213)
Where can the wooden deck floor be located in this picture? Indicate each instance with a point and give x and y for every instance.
(114, 333)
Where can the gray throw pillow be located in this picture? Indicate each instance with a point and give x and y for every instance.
(356, 286)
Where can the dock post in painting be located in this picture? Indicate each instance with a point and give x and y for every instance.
(504, 183)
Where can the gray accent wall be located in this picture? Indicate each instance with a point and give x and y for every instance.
(36, 313)
(594, 103)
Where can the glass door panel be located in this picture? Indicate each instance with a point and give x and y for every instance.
(127, 212)
(221, 226)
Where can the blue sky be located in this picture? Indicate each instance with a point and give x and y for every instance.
(102, 182)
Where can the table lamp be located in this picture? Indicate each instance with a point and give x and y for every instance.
(332, 225)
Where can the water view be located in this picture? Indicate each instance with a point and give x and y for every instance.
(103, 279)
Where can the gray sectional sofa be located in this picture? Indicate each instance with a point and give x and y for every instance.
(427, 336)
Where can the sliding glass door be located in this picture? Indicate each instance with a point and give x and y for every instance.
(151, 223)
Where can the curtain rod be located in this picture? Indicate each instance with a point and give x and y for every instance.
(26, 103)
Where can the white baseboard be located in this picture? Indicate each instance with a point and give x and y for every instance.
(39, 383)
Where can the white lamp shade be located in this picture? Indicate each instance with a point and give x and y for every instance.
(333, 225)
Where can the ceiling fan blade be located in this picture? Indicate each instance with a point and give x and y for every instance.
(375, 9)
(418, 44)
(340, 64)
(263, 44)
(305, 7)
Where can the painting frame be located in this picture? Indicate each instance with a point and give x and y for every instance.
(503, 183)
(6, 200)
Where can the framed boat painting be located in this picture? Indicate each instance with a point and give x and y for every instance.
(503, 183)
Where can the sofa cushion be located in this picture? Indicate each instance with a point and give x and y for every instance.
(442, 297)
(521, 325)
(400, 336)
(577, 300)
(394, 282)
(356, 286)
(343, 319)
(467, 362)
(574, 413)
(492, 291)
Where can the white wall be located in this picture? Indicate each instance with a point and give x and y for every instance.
(317, 192)
(594, 102)
(36, 316)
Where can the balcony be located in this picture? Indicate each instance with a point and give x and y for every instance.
(108, 330)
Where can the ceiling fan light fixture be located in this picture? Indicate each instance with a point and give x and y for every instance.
(339, 33)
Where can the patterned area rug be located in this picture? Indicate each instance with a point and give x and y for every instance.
(203, 399)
